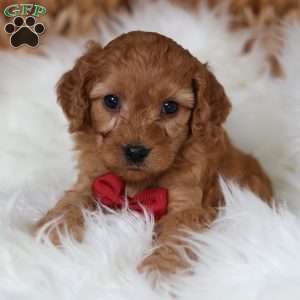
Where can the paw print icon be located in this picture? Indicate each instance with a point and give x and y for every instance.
(24, 31)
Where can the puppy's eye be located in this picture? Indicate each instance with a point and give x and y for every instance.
(169, 107)
(112, 102)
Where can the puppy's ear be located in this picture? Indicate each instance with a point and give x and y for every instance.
(211, 103)
(72, 92)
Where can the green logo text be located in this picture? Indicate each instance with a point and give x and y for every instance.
(24, 10)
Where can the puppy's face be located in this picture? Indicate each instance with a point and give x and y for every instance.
(138, 97)
(141, 108)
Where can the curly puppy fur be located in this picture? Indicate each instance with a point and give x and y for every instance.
(189, 149)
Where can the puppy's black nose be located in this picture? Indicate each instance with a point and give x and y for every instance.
(136, 153)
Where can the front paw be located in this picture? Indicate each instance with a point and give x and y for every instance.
(165, 260)
(57, 227)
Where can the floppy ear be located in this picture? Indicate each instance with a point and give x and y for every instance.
(211, 103)
(72, 93)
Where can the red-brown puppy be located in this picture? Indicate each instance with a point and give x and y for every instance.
(145, 109)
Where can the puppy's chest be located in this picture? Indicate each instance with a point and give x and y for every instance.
(134, 188)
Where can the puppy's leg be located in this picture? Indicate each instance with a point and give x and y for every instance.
(257, 180)
(166, 259)
(245, 170)
(69, 208)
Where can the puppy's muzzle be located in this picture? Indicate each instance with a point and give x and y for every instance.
(135, 154)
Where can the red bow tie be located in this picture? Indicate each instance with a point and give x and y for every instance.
(109, 189)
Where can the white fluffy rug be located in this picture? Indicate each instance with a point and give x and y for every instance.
(251, 252)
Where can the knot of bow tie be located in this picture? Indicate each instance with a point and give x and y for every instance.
(109, 189)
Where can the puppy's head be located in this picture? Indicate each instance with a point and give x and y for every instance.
(143, 98)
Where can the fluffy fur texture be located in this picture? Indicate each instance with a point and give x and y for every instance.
(263, 17)
(252, 252)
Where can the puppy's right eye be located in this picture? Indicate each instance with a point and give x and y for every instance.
(112, 102)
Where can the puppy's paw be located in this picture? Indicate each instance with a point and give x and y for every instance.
(57, 232)
(153, 263)
(164, 260)
(60, 226)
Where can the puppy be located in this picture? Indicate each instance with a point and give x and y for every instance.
(148, 111)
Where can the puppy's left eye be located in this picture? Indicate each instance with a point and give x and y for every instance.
(169, 107)
(112, 102)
